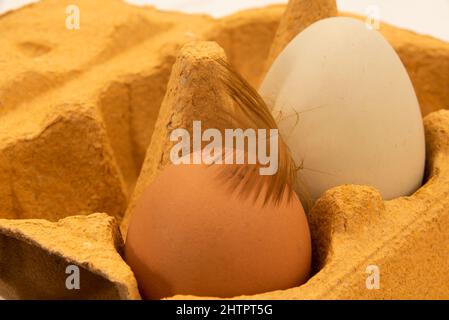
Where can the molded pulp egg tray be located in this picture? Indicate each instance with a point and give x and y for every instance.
(81, 135)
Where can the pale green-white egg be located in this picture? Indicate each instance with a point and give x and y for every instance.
(347, 109)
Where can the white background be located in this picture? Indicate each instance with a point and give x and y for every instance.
(423, 16)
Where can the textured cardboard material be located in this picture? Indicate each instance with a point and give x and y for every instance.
(34, 255)
(193, 93)
(77, 113)
(298, 15)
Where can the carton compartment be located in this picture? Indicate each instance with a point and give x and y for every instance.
(78, 118)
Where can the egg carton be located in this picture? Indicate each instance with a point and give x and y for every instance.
(84, 122)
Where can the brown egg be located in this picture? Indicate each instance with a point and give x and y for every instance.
(189, 234)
